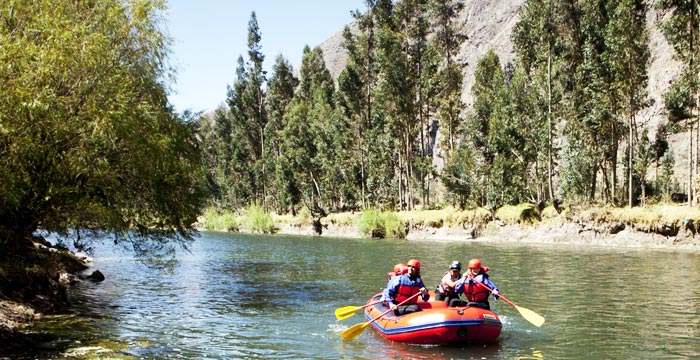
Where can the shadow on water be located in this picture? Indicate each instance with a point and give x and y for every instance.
(400, 351)
(31, 346)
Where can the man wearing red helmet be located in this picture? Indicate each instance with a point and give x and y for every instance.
(403, 287)
(477, 294)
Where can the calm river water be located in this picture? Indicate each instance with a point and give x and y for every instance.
(238, 296)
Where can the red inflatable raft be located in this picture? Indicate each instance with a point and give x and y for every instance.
(435, 324)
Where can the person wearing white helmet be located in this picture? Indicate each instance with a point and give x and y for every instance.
(445, 291)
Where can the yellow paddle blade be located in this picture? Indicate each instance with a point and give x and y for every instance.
(346, 312)
(354, 330)
(531, 316)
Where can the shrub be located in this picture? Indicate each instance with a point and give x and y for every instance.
(380, 224)
(257, 220)
(215, 221)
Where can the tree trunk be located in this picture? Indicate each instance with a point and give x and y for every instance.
(631, 169)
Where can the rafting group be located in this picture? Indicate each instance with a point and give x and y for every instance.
(405, 281)
(442, 316)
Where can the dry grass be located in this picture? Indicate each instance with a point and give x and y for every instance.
(647, 217)
(446, 217)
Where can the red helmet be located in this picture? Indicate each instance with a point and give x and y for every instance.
(474, 264)
(415, 263)
(400, 268)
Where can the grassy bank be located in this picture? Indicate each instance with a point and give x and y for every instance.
(372, 223)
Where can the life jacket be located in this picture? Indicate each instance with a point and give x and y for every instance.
(476, 292)
(445, 288)
(407, 289)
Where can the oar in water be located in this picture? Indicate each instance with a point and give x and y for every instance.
(357, 329)
(348, 311)
(529, 315)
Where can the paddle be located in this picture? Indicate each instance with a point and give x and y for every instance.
(529, 315)
(348, 311)
(357, 329)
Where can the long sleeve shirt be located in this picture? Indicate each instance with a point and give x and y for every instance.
(392, 288)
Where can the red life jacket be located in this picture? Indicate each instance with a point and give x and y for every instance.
(476, 292)
(405, 291)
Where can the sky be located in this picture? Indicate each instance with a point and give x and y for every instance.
(209, 36)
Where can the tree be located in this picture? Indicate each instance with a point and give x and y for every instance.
(280, 93)
(645, 155)
(682, 30)
(546, 41)
(628, 39)
(88, 141)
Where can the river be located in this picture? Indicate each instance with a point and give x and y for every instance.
(236, 296)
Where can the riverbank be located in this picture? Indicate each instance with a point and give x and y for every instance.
(565, 234)
(666, 226)
(34, 283)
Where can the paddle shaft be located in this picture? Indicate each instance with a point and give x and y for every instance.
(386, 312)
(491, 290)
(529, 315)
(348, 311)
(370, 304)
(357, 329)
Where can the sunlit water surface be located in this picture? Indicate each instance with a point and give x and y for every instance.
(237, 296)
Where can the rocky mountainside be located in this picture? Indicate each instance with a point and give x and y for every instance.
(489, 24)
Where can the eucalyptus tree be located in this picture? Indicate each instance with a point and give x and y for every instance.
(88, 141)
(307, 152)
(628, 39)
(682, 30)
(280, 93)
(356, 87)
(448, 40)
(218, 142)
(593, 132)
(446, 79)
(489, 81)
(545, 40)
(241, 180)
(246, 100)
(403, 43)
(645, 155)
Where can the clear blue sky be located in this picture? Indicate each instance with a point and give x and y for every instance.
(210, 35)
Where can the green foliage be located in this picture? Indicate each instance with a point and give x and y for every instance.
(87, 138)
(258, 220)
(216, 221)
(679, 98)
(520, 214)
(380, 224)
(459, 176)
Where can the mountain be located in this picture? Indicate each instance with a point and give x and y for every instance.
(489, 24)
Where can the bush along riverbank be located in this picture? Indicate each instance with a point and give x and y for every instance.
(33, 282)
(672, 226)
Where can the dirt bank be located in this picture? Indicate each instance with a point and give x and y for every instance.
(613, 235)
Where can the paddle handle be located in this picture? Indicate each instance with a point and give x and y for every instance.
(386, 312)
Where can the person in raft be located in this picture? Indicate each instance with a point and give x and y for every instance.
(477, 294)
(446, 289)
(399, 269)
(404, 286)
